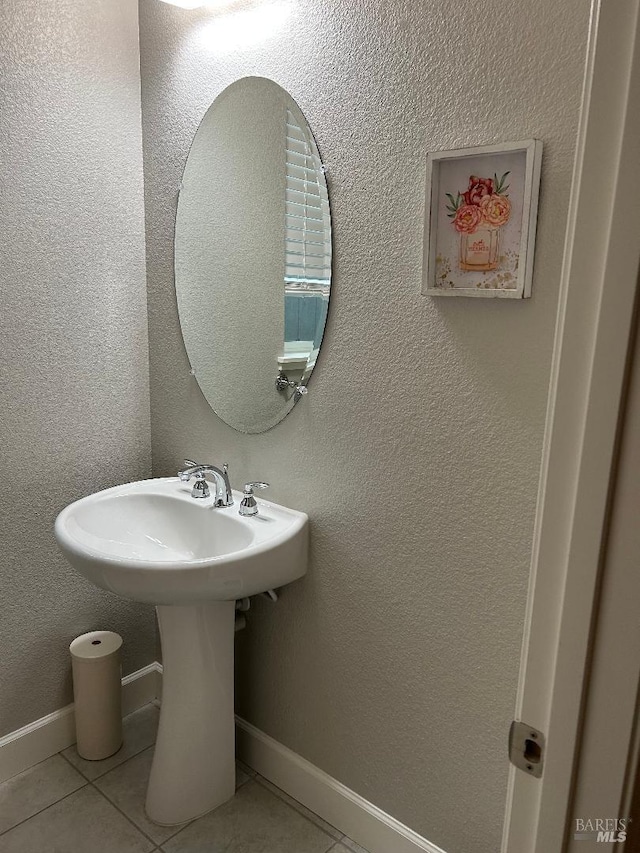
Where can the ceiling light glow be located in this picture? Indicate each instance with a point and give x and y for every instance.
(185, 4)
(200, 4)
(242, 28)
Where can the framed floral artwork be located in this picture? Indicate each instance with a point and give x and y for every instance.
(481, 210)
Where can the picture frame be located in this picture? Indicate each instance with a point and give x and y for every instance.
(481, 207)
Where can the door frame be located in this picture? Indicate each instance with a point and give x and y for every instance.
(597, 294)
(609, 737)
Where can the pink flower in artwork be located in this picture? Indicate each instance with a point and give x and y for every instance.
(467, 218)
(495, 209)
(478, 189)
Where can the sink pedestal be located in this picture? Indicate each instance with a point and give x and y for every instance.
(150, 541)
(193, 767)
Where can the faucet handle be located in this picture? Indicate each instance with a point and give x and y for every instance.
(185, 475)
(249, 505)
(200, 487)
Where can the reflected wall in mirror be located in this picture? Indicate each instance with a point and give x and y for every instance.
(253, 254)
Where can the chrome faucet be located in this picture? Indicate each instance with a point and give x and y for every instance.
(223, 495)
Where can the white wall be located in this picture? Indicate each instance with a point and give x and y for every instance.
(74, 408)
(393, 665)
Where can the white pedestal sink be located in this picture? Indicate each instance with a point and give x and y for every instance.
(151, 541)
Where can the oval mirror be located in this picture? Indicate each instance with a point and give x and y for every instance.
(253, 254)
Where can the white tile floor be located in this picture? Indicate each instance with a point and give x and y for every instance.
(68, 805)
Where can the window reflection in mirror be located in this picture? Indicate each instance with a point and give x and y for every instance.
(307, 277)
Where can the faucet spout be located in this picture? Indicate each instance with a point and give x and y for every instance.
(220, 476)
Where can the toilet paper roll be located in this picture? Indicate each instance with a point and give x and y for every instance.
(97, 693)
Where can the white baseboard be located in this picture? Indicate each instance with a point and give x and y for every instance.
(350, 813)
(141, 687)
(41, 739)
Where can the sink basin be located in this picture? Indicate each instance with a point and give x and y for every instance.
(151, 541)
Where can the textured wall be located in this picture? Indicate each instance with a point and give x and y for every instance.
(393, 664)
(74, 409)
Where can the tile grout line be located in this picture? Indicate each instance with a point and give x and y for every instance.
(257, 779)
(91, 783)
(61, 754)
(115, 766)
(35, 814)
(104, 773)
(111, 803)
(124, 814)
(86, 783)
(194, 820)
(188, 824)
